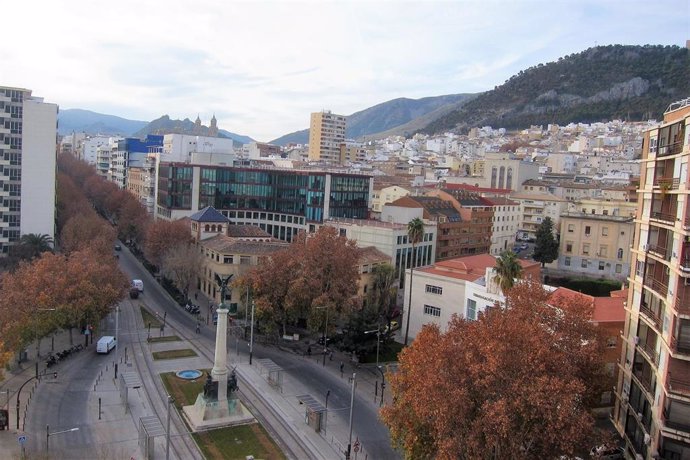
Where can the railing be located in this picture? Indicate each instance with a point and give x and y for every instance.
(678, 386)
(663, 216)
(680, 346)
(683, 305)
(674, 425)
(670, 149)
(646, 384)
(686, 224)
(657, 285)
(667, 183)
(653, 317)
(650, 352)
(661, 251)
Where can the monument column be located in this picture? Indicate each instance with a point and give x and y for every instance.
(220, 368)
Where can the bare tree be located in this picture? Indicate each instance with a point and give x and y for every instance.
(182, 265)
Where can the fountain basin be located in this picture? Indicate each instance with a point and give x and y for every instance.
(189, 374)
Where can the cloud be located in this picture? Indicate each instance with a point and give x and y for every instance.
(262, 66)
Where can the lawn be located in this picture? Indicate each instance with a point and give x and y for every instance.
(173, 354)
(167, 338)
(149, 318)
(224, 443)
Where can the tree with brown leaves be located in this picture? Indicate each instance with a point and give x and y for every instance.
(163, 235)
(182, 265)
(513, 384)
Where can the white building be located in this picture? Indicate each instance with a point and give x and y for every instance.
(506, 221)
(88, 150)
(28, 128)
(180, 147)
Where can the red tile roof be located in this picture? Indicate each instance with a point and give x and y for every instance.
(469, 267)
(606, 309)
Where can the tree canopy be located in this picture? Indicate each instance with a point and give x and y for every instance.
(513, 384)
(316, 271)
(163, 235)
(546, 246)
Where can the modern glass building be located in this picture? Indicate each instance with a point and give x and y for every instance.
(280, 201)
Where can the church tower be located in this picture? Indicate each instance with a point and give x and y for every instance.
(213, 129)
(197, 126)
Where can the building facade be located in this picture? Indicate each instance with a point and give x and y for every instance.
(28, 156)
(326, 134)
(280, 201)
(652, 411)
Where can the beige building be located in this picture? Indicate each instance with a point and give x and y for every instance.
(326, 134)
(386, 195)
(652, 411)
(596, 245)
(534, 207)
(369, 259)
(228, 250)
(140, 182)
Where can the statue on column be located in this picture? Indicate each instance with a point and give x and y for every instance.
(222, 283)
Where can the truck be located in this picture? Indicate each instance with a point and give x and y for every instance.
(105, 344)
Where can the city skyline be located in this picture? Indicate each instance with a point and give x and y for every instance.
(263, 67)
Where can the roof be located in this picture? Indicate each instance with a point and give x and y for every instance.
(227, 245)
(247, 231)
(452, 186)
(499, 201)
(536, 196)
(468, 268)
(209, 214)
(606, 309)
(370, 255)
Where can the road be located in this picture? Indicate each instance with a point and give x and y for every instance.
(371, 432)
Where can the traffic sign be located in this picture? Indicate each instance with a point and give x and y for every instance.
(21, 439)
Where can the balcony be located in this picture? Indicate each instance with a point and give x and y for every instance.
(653, 318)
(650, 353)
(663, 217)
(675, 422)
(667, 183)
(680, 346)
(678, 386)
(682, 305)
(660, 251)
(659, 287)
(670, 149)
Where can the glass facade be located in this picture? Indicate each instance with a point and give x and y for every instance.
(286, 192)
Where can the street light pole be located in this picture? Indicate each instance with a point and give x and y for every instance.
(117, 328)
(251, 336)
(383, 384)
(352, 407)
(325, 338)
(49, 434)
(167, 430)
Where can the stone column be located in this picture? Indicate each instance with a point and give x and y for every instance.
(220, 368)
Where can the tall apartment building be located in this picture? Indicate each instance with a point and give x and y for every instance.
(28, 143)
(326, 134)
(652, 410)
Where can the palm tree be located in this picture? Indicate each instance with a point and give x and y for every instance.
(415, 232)
(33, 244)
(507, 269)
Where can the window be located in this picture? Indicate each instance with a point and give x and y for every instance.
(567, 262)
(619, 268)
(571, 228)
(604, 231)
(432, 311)
(620, 253)
(227, 260)
(569, 246)
(588, 230)
(601, 265)
(603, 251)
(585, 248)
(431, 289)
(471, 309)
(606, 212)
(245, 260)
(583, 264)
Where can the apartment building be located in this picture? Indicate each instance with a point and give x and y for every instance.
(384, 196)
(326, 134)
(534, 208)
(281, 201)
(28, 149)
(505, 222)
(652, 411)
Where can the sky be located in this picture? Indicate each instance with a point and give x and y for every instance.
(262, 67)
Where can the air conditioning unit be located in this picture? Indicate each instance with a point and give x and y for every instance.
(636, 340)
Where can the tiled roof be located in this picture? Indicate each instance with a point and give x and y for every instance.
(226, 245)
(209, 214)
(247, 231)
(606, 309)
(370, 255)
(468, 268)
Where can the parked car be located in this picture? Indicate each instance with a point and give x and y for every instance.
(524, 246)
(134, 293)
(118, 247)
(604, 452)
(328, 340)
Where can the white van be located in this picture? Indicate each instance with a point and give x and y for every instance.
(105, 344)
(139, 284)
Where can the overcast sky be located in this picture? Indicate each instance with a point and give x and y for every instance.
(263, 67)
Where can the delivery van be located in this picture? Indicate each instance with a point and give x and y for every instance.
(139, 284)
(105, 344)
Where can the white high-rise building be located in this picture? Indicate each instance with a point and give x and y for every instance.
(28, 143)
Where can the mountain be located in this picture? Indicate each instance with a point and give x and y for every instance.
(78, 120)
(164, 125)
(600, 83)
(385, 116)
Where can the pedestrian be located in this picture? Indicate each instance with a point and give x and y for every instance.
(196, 296)
(309, 350)
(198, 327)
(330, 356)
(342, 367)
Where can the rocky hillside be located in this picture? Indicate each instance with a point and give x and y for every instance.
(601, 83)
(385, 117)
(86, 121)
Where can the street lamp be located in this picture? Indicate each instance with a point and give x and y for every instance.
(325, 334)
(251, 336)
(383, 383)
(49, 434)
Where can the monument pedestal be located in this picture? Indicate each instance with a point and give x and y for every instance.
(205, 414)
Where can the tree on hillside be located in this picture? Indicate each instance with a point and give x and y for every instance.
(163, 235)
(546, 246)
(507, 269)
(512, 384)
(415, 232)
(182, 265)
